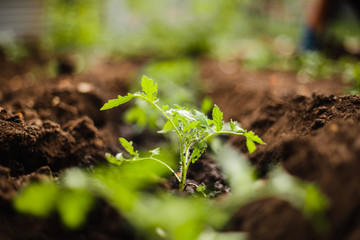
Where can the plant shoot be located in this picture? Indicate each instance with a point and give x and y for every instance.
(193, 129)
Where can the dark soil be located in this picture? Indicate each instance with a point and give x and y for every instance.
(48, 125)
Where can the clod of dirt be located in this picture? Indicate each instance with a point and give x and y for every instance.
(206, 172)
(282, 119)
(25, 148)
(330, 157)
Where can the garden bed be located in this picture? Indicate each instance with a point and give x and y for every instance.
(48, 125)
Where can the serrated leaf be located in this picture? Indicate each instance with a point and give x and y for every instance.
(250, 145)
(190, 126)
(180, 121)
(118, 160)
(128, 146)
(199, 149)
(149, 88)
(186, 114)
(235, 127)
(202, 119)
(253, 137)
(116, 102)
(217, 116)
(200, 188)
(155, 152)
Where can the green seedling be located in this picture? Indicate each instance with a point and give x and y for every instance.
(193, 129)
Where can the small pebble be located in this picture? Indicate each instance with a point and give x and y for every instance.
(85, 87)
(55, 101)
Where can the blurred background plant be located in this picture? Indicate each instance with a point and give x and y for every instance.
(256, 34)
(167, 28)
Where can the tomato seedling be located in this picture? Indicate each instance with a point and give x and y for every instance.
(193, 129)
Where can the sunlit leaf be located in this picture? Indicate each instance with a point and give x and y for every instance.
(128, 146)
(155, 152)
(149, 88)
(250, 145)
(73, 207)
(202, 119)
(116, 102)
(190, 126)
(217, 116)
(253, 137)
(112, 159)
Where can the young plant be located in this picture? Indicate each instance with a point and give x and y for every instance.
(193, 128)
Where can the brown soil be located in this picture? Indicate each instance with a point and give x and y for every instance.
(312, 130)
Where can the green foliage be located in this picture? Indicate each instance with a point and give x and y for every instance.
(72, 25)
(217, 118)
(116, 102)
(314, 65)
(70, 200)
(179, 75)
(250, 139)
(73, 206)
(37, 199)
(206, 105)
(14, 50)
(192, 127)
(128, 146)
(241, 29)
(351, 75)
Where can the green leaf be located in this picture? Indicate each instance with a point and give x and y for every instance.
(186, 114)
(250, 145)
(235, 127)
(116, 102)
(201, 188)
(37, 199)
(250, 139)
(253, 137)
(128, 146)
(149, 88)
(155, 152)
(73, 207)
(136, 115)
(168, 127)
(114, 160)
(217, 116)
(190, 126)
(202, 119)
(206, 105)
(199, 149)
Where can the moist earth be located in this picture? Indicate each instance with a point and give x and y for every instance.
(48, 125)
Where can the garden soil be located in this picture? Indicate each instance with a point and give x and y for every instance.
(311, 129)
